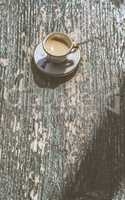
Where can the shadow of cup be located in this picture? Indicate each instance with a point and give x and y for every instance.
(43, 80)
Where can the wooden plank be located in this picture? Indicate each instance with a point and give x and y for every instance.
(62, 139)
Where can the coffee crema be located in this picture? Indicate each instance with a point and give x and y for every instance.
(56, 46)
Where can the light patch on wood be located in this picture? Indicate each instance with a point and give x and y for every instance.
(4, 62)
(33, 145)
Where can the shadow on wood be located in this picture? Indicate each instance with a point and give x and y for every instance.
(117, 2)
(102, 172)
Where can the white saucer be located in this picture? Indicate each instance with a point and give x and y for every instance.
(52, 69)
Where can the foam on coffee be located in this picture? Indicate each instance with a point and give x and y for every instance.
(57, 46)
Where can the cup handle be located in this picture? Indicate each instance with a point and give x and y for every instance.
(74, 48)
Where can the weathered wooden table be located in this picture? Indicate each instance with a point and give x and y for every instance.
(62, 140)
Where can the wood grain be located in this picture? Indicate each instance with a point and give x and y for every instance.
(62, 139)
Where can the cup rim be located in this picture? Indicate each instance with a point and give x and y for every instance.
(61, 33)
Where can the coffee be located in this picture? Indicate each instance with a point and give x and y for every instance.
(56, 46)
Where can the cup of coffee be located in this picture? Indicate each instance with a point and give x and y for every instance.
(57, 46)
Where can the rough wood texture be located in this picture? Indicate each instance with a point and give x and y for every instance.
(62, 140)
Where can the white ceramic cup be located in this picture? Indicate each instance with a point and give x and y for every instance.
(59, 58)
